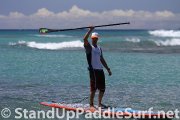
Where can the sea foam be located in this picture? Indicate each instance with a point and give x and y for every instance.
(50, 46)
(170, 42)
(134, 40)
(165, 33)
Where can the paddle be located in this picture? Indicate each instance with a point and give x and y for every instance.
(46, 30)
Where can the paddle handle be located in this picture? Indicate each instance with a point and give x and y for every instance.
(57, 30)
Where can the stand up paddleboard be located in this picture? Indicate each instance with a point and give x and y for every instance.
(123, 112)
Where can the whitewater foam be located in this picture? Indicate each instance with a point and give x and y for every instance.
(51, 46)
(134, 40)
(170, 42)
(167, 42)
(165, 33)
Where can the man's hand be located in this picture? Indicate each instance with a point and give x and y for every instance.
(87, 35)
(109, 71)
(91, 28)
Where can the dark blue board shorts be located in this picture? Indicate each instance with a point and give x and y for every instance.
(97, 80)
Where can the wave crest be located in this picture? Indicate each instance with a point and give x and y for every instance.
(171, 42)
(165, 33)
(134, 40)
(50, 46)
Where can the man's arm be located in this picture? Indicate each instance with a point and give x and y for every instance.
(105, 65)
(87, 36)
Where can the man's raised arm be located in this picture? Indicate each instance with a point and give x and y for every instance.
(87, 36)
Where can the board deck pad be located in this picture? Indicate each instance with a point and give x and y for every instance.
(108, 111)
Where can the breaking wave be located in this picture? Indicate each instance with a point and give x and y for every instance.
(165, 33)
(130, 44)
(167, 42)
(50, 46)
(170, 42)
(134, 40)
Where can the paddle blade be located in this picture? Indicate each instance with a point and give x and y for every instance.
(43, 30)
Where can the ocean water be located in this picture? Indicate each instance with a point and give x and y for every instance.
(145, 65)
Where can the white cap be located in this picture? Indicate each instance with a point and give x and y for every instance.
(94, 35)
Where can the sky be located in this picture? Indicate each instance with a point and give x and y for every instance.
(142, 14)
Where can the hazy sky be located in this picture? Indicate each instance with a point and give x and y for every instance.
(148, 14)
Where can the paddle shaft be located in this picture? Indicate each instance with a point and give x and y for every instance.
(57, 30)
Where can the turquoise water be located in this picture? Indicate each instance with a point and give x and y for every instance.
(36, 68)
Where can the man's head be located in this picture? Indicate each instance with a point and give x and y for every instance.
(94, 37)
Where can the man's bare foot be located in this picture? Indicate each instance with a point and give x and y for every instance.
(92, 108)
(103, 106)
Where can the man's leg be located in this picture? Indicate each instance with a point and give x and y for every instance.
(101, 94)
(92, 94)
(101, 87)
(92, 88)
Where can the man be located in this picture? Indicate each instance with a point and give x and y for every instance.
(96, 62)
